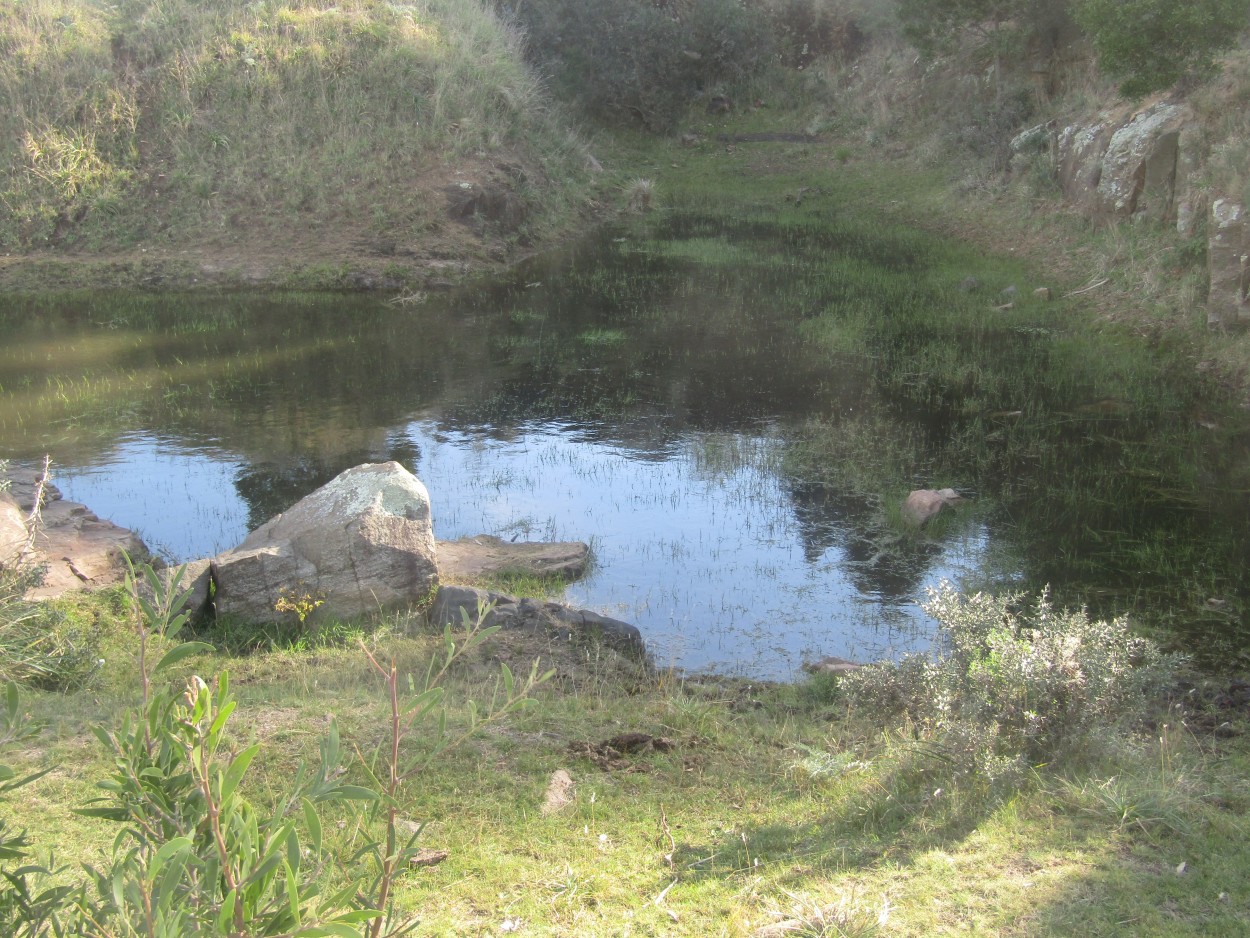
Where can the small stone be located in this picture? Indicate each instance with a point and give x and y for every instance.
(1043, 294)
(831, 665)
(924, 504)
(559, 794)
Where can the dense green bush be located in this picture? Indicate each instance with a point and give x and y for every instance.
(1152, 44)
(1009, 687)
(938, 25)
(644, 63)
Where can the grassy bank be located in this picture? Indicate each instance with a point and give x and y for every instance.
(184, 142)
(755, 810)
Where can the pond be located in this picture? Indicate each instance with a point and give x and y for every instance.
(683, 396)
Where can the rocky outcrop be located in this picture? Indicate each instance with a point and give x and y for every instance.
(78, 549)
(1228, 257)
(473, 557)
(1126, 166)
(361, 543)
(456, 604)
(1138, 177)
(477, 205)
(1078, 160)
(924, 504)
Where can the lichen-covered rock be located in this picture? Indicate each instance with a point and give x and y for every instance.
(1129, 165)
(361, 543)
(1079, 153)
(1138, 174)
(1228, 257)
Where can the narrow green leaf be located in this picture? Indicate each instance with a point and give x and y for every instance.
(356, 793)
(168, 851)
(313, 823)
(237, 769)
(507, 678)
(178, 653)
(225, 918)
(419, 709)
(358, 915)
(292, 894)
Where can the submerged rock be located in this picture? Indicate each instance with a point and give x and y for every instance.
(473, 557)
(831, 665)
(924, 504)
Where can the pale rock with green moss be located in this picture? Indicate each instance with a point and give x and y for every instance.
(363, 542)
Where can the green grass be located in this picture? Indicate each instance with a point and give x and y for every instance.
(183, 123)
(773, 807)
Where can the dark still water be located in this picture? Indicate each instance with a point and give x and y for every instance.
(643, 395)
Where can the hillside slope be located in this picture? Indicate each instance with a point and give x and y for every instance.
(364, 141)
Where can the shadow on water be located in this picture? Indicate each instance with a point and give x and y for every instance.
(731, 413)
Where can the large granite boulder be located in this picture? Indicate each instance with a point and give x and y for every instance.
(455, 605)
(361, 543)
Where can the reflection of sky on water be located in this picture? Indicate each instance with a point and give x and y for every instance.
(704, 550)
(182, 501)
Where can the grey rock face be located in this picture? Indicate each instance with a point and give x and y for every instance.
(1228, 257)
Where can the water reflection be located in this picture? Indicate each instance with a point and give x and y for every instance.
(635, 399)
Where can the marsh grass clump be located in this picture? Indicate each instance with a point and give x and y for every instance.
(1011, 686)
(639, 194)
(43, 645)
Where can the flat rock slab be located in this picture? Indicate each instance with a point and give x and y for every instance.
(81, 551)
(472, 557)
(455, 605)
